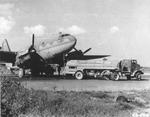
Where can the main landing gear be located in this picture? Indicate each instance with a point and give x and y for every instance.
(46, 71)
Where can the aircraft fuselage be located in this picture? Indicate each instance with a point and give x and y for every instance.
(48, 49)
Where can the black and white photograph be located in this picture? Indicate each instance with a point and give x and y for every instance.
(75, 58)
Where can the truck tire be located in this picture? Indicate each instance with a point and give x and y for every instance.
(138, 76)
(79, 75)
(97, 75)
(105, 74)
(128, 77)
(115, 76)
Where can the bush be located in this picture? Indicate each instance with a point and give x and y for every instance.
(17, 100)
(14, 98)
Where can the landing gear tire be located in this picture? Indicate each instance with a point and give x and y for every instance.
(128, 77)
(21, 73)
(35, 73)
(79, 75)
(138, 76)
(49, 71)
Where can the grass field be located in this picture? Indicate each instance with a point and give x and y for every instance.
(19, 101)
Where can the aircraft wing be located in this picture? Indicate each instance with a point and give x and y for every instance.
(80, 55)
(8, 57)
(86, 57)
(29, 60)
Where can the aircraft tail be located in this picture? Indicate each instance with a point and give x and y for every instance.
(6, 55)
(5, 46)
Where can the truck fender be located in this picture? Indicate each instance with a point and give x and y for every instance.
(135, 72)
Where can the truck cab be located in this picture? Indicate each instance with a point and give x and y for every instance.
(130, 68)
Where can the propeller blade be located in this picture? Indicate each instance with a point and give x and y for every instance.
(33, 40)
(75, 49)
(87, 50)
(31, 48)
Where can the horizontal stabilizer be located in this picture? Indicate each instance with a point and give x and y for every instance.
(5, 53)
(7, 57)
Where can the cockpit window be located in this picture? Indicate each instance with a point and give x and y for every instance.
(66, 40)
(72, 67)
(65, 35)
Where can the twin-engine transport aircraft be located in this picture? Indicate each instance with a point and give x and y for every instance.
(41, 54)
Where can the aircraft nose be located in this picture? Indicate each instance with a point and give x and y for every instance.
(68, 43)
(73, 40)
(70, 39)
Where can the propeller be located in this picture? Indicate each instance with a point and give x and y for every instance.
(31, 48)
(81, 52)
(76, 54)
(33, 40)
(87, 50)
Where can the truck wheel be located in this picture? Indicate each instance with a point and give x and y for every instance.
(105, 74)
(115, 76)
(21, 73)
(128, 77)
(79, 75)
(97, 75)
(138, 76)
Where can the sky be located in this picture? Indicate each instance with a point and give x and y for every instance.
(120, 28)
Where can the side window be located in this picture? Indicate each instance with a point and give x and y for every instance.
(66, 40)
(72, 67)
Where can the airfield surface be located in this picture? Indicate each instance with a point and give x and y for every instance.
(59, 84)
(132, 87)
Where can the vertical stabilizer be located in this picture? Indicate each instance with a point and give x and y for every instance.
(5, 46)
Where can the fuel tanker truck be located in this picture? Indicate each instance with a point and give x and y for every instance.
(104, 69)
